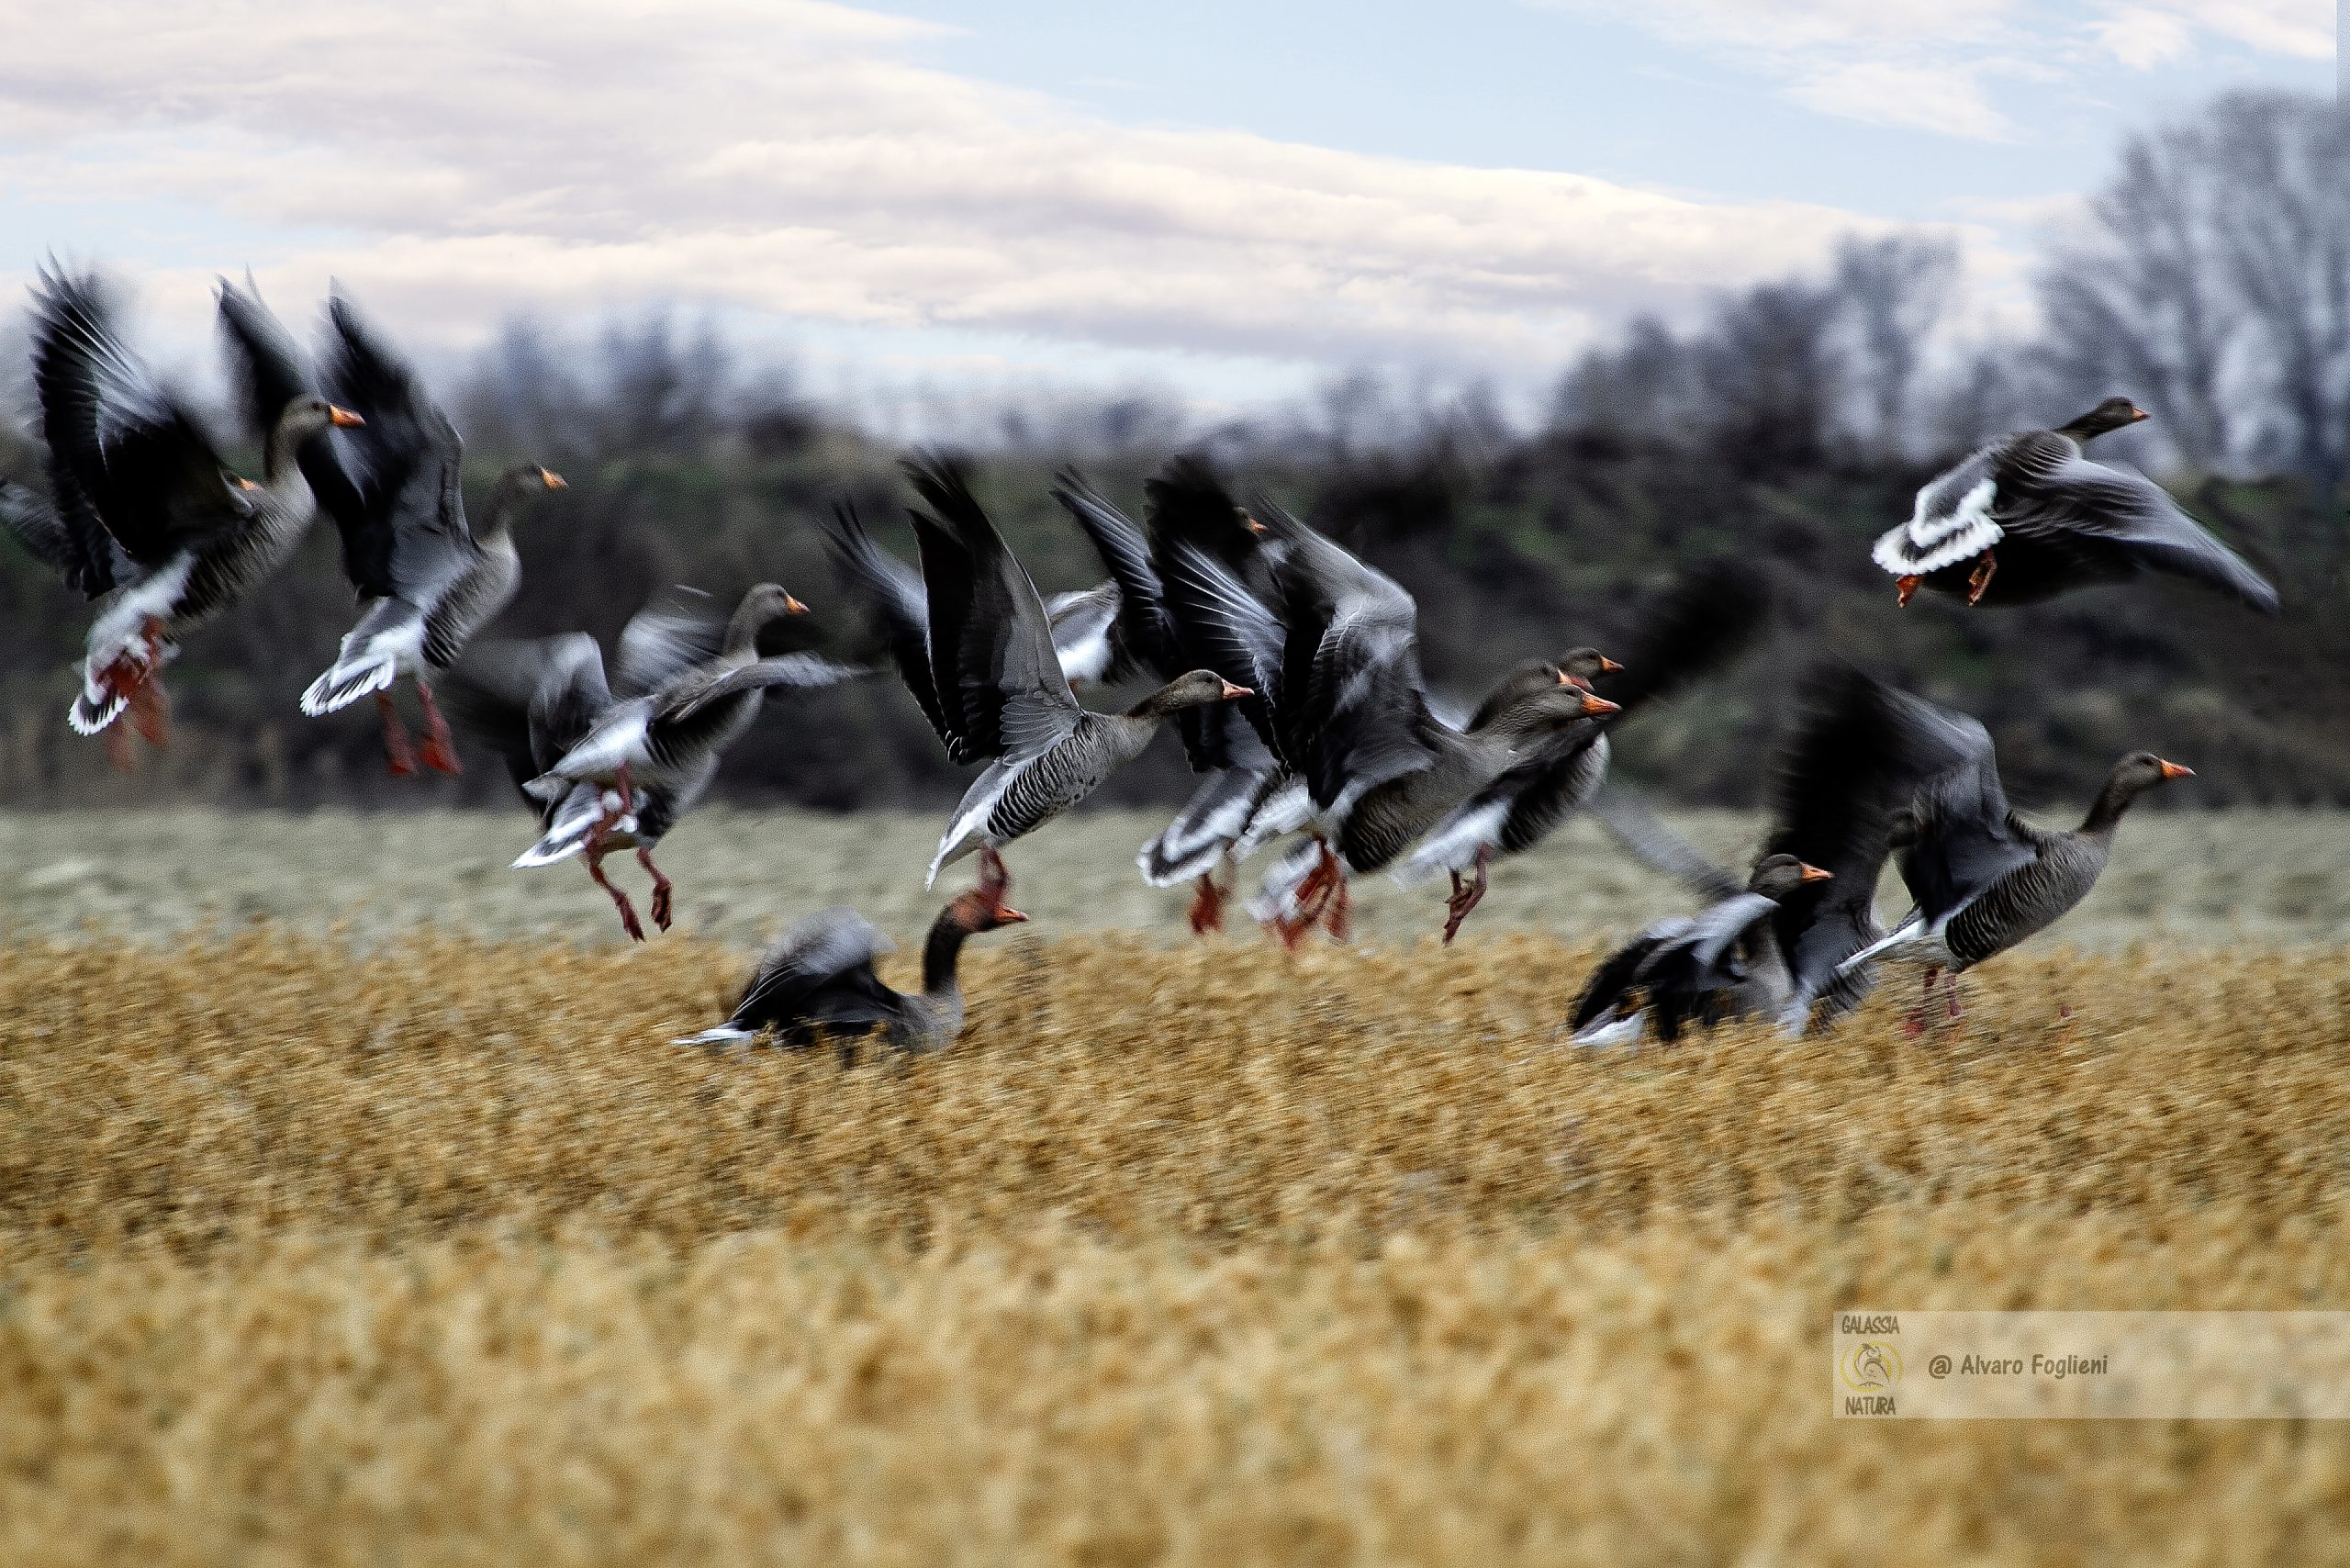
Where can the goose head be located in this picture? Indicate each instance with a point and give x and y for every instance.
(1578, 665)
(1195, 689)
(530, 477)
(763, 603)
(306, 416)
(1548, 707)
(2141, 770)
(1776, 876)
(2113, 414)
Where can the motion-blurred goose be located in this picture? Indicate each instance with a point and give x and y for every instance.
(428, 580)
(819, 978)
(1241, 800)
(1703, 621)
(2028, 517)
(1338, 662)
(143, 516)
(1721, 964)
(610, 772)
(993, 686)
(1983, 879)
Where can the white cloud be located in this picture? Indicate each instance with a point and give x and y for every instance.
(454, 163)
(1926, 63)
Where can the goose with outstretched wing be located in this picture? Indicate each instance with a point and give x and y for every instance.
(2029, 517)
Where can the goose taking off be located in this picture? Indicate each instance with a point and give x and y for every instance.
(1241, 798)
(1724, 963)
(609, 772)
(819, 978)
(142, 517)
(1699, 624)
(992, 684)
(1338, 660)
(427, 580)
(2029, 517)
(1983, 879)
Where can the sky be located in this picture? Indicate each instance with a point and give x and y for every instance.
(1221, 202)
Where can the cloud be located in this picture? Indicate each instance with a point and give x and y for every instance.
(454, 164)
(1926, 64)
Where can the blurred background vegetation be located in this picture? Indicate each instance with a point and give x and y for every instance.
(2209, 280)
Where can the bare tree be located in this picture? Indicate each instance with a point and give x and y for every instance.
(2212, 282)
(1891, 294)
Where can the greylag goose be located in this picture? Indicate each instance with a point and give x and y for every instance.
(819, 978)
(1338, 662)
(1721, 964)
(143, 518)
(994, 688)
(1242, 799)
(1703, 621)
(1982, 878)
(2028, 517)
(607, 772)
(426, 579)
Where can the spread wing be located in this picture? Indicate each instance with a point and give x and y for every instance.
(530, 701)
(804, 671)
(406, 533)
(133, 476)
(821, 971)
(1352, 711)
(1136, 635)
(2127, 512)
(271, 373)
(672, 634)
(1964, 836)
(992, 662)
(893, 592)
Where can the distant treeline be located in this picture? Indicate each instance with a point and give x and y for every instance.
(2210, 282)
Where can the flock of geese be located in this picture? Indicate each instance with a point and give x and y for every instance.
(1289, 668)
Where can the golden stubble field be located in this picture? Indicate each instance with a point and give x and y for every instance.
(442, 1254)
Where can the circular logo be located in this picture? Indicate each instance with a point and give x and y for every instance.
(1873, 1366)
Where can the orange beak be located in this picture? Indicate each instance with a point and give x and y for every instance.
(793, 607)
(245, 484)
(1907, 589)
(1574, 680)
(1811, 873)
(1609, 665)
(1254, 526)
(2177, 770)
(551, 480)
(2137, 413)
(1231, 691)
(343, 417)
(1595, 706)
(1009, 916)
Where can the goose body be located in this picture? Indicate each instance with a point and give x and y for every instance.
(142, 517)
(818, 977)
(2029, 517)
(1983, 879)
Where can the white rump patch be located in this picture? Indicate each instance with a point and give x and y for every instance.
(1926, 543)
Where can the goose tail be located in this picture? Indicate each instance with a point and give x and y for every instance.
(718, 1038)
(348, 680)
(568, 834)
(94, 709)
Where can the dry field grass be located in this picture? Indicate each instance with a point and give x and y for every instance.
(441, 1254)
